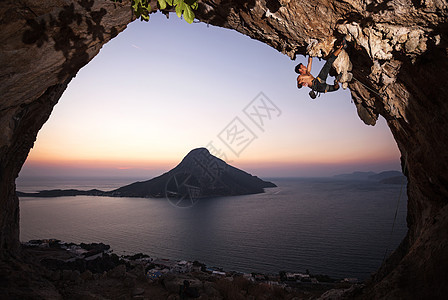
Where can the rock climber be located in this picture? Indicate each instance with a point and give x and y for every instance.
(319, 83)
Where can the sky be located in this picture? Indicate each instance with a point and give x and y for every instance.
(162, 88)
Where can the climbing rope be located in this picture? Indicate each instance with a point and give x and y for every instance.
(382, 96)
(370, 89)
(402, 185)
(396, 212)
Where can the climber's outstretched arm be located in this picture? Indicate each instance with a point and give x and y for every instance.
(310, 62)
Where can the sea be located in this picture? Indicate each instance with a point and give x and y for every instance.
(340, 228)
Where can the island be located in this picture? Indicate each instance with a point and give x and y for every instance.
(386, 177)
(199, 175)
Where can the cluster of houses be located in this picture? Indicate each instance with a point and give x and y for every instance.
(299, 277)
(164, 266)
(161, 266)
(157, 268)
(84, 251)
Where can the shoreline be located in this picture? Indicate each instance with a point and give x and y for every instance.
(82, 266)
(90, 251)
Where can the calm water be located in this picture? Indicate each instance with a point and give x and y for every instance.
(339, 228)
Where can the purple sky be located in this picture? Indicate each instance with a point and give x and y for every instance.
(165, 87)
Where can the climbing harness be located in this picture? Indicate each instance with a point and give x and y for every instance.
(314, 93)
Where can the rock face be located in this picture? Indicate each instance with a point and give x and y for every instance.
(43, 44)
(397, 56)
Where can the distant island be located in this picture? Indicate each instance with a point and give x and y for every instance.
(386, 177)
(199, 174)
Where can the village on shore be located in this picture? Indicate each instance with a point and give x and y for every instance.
(77, 263)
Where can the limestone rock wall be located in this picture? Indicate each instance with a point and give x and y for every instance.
(396, 65)
(43, 44)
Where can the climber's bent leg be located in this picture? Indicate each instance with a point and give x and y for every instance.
(322, 87)
(323, 74)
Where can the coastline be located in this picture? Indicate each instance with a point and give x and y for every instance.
(93, 269)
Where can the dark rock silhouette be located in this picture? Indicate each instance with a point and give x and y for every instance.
(199, 175)
(355, 176)
(387, 177)
(202, 172)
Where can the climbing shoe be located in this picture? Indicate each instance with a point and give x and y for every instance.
(336, 85)
(342, 43)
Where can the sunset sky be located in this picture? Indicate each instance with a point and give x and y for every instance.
(162, 88)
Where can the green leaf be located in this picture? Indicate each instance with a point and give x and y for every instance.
(179, 8)
(162, 4)
(135, 4)
(188, 14)
(141, 9)
(144, 18)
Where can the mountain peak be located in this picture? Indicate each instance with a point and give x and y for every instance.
(198, 153)
(200, 162)
(210, 175)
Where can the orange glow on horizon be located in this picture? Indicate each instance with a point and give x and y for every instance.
(169, 164)
(334, 158)
(103, 164)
